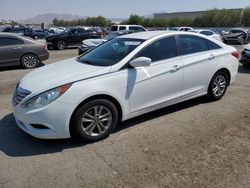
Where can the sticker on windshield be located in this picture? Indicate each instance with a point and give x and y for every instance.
(132, 43)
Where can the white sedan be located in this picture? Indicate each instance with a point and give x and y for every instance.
(86, 97)
(208, 33)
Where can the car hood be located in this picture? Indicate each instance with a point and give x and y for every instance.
(233, 35)
(247, 47)
(59, 73)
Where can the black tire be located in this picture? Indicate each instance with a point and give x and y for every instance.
(241, 41)
(212, 94)
(246, 65)
(30, 61)
(61, 45)
(35, 37)
(78, 125)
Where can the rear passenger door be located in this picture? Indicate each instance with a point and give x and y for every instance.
(199, 61)
(158, 83)
(11, 50)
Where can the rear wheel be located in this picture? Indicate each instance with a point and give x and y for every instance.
(95, 120)
(61, 45)
(29, 61)
(218, 86)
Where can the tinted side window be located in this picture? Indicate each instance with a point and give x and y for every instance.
(81, 31)
(192, 44)
(161, 49)
(10, 41)
(141, 29)
(133, 28)
(212, 45)
(114, 28)
(121, 28)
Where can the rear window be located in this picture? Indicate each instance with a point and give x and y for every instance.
(212, 45)
(208, 33)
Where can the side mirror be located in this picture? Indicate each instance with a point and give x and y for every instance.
(140, 62)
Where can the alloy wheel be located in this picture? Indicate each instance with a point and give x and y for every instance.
(96, 120)
(219, 85)
(61, 45)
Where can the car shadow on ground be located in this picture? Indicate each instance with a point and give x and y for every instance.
(244, 70)
(16, 143)
(68, 48)
(16, 67)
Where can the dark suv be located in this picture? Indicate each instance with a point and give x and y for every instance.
(70, 37)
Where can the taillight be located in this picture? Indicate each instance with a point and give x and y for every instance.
(236, 54)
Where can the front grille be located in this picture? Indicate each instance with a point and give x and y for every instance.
(20, 94)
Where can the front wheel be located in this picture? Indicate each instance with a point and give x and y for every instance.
(218, 86)
(95, 120)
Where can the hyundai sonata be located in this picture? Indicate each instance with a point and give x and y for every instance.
(133, 74)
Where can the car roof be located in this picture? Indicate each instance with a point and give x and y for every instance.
(149, 34)
(7, 34)
(199, 30)
(128, 25)
(14, 35)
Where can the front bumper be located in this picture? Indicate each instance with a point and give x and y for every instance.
(55, 118)
(245, 57)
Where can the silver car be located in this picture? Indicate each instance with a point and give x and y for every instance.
(18, 50)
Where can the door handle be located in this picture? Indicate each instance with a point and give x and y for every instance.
(211, 57)
(17, 48)
(175, 68)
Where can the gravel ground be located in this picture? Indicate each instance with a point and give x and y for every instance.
(192, 144)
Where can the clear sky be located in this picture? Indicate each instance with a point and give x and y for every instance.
(22, 9)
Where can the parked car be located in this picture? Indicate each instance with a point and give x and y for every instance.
(17, 50)
(56, 30)
(236, 35)
(245, 56)
(36, 33)
(69, 37)
(16, 29)
(86, 97)
(89, 44)
(180, 28)
(208, 33)
(137, 28)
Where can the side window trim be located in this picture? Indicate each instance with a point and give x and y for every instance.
(126, 65)
(179, 46)
(20, 41)
(164, 37)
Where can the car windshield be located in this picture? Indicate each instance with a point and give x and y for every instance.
(111, 52)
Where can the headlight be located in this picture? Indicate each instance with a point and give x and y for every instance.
(46, 98)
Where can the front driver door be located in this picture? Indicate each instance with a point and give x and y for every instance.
(161, 82)
(11, 51)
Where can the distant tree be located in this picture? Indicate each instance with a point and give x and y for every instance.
(246, 17)
(135, 19)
